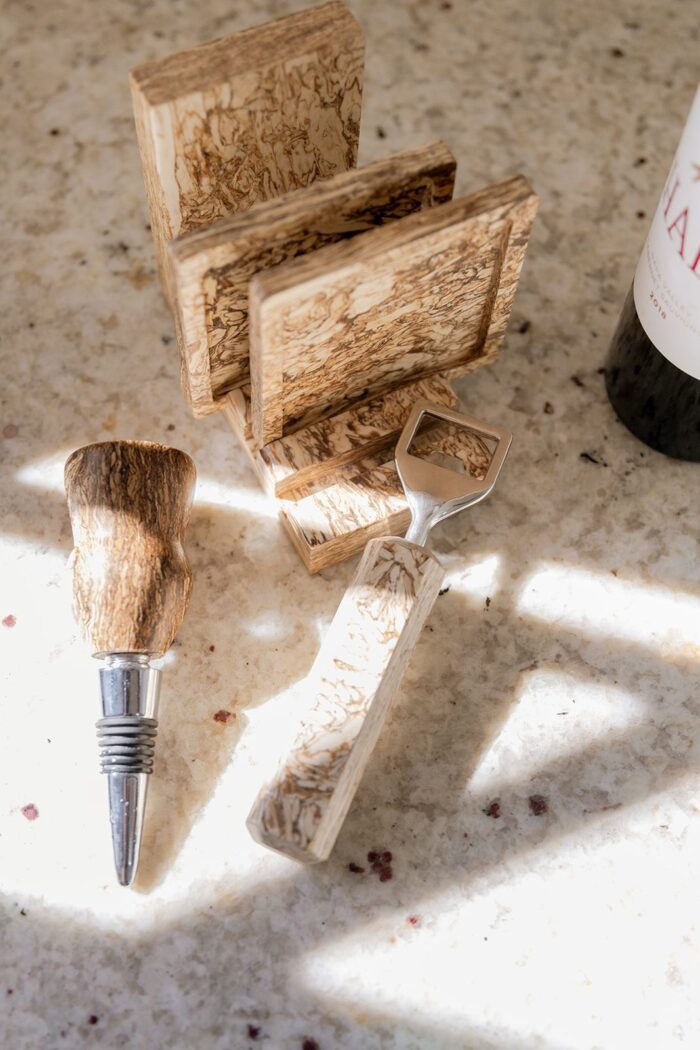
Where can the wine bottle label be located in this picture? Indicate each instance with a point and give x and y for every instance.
(667, 279)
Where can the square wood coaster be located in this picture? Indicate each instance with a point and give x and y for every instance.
(312, 458)
(245, 118)
(212, 268)
(428, 293)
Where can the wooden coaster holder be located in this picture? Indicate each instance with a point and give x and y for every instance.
(315, 301)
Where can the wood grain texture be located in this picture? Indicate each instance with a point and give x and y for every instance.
(244, 118)
(129, 503)
(329, 526)
(237, 413)
(211, 268)
(359, 500)
(236, 408)
(354, 679)
(418, 296)
(313, 458)
(310, 458)
(367, 501)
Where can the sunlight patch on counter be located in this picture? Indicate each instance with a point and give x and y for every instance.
(556, 715)
(602, 605)
(530, 937)
(479, 580)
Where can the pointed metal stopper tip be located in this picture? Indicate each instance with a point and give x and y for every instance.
(127, 737)
(127, 802)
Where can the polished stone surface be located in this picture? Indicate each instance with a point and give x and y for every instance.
(538, 784)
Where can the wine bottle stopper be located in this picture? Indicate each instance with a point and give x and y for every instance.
(129, 503)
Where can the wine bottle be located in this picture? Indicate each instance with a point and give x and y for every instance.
(652, 372)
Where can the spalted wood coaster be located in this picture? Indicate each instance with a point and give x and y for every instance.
(393, 309)
(428, 293)
(312, 458)
(245, 118)
(211, 268)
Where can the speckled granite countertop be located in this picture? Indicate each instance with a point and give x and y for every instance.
(538, 786)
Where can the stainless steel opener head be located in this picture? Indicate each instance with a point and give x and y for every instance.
(434, 492)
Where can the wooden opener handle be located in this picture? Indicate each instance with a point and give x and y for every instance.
(129, 503)
(354, 678)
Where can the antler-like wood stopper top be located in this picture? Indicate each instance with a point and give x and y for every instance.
(129, 503)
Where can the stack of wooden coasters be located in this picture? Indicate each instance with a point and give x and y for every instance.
(316, 301)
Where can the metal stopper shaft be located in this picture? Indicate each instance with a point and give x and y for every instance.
(126, 734)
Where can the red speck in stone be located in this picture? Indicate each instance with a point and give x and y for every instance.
(385, 874)
(414, 920)
(223, 716)
(93, 1019)
(253, 1031)
(11, 430)
(386, 857)
(30, 811)
(372, 856)
(9, 621)
(493, 809)
(310, 1044)
(355, 868)
(538, 805)
(212, 648)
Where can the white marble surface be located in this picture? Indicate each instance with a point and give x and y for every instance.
(562, 662)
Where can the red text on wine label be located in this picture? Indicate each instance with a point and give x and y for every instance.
(677, 218)
(666, 288)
